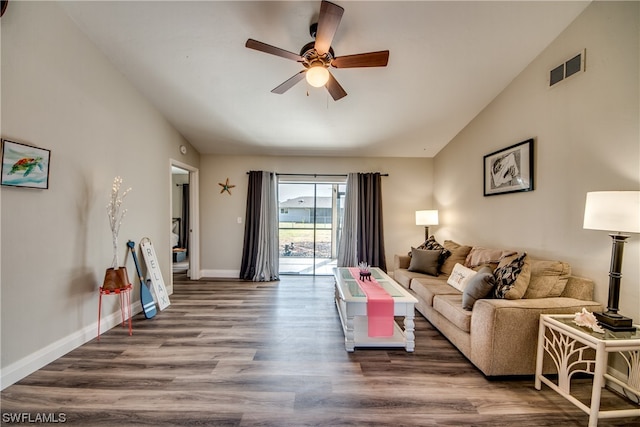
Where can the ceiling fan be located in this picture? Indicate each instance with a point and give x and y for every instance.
(316, 57)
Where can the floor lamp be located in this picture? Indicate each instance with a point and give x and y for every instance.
(427, 218)
(618, 212)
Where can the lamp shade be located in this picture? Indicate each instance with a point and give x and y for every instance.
(617, 211)
(429, 217)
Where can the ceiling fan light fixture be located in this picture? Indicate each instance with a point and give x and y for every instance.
(317, 76)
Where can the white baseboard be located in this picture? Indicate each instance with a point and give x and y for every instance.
(224, 274)
(31, 363)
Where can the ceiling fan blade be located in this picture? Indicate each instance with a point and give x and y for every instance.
(267, 48)
(289, 83)
(328, 21)
(370, 59)
(334, 88)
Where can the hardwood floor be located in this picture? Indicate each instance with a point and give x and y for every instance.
(233, 353)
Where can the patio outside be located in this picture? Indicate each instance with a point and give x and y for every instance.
(299, 255)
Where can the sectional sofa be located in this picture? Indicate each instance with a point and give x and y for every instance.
(497, 334)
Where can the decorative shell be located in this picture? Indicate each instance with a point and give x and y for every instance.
(587, 319)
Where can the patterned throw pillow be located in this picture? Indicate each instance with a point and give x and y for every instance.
(432, 245)
(507, 275)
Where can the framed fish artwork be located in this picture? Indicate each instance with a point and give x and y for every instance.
(24, 165)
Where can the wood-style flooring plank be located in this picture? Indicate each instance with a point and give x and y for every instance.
(235, 353)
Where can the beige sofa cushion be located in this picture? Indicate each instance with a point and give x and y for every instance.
(548, 278)
(450, 306)
(479, 256)
(458, 255)
(404, 277)
(426, 288)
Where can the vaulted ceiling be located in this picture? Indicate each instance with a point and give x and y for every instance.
(447, 61)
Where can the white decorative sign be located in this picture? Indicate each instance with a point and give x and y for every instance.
(153, 269)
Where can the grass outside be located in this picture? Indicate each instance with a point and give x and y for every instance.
(298, 242)
(304, 235)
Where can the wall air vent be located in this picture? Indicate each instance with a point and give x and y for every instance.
(568, 68)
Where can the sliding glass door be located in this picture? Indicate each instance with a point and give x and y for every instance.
(310, 220)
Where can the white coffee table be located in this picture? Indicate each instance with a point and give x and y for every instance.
(352, 307)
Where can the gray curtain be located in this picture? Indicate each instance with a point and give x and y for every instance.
(362, 237)
(260, 258)
(370, 240)
(347, 246)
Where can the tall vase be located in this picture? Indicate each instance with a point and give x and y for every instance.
(115, 279)
(114, 261)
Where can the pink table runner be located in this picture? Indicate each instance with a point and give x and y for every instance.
(379, 306)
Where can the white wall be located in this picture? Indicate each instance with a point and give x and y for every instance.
(587, 138)
(59, 92)
(407, 188)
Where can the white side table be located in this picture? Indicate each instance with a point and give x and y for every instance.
(567, 344)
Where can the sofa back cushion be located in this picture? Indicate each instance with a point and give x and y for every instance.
(548, 278)
(479, 256)
(458, 255)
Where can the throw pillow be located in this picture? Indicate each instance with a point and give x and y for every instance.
(432, 244)
(479, 286)
(458, 255)
(512, 277)
(479, 256)
(424, 261)
(460, 277)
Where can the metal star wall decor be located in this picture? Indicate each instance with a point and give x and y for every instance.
(226, 187)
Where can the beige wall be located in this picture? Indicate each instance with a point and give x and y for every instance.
(587, 138)
(407, 188)
(59, 92)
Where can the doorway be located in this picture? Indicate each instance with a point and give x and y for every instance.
(184, 221)
(310, 221)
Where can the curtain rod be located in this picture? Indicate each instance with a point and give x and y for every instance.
(315, 175)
